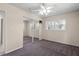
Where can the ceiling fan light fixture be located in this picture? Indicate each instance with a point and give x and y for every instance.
(44, 10)
(48, 11)
(40, 12)
(49, 7)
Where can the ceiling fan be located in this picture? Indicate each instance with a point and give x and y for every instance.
(44, 10)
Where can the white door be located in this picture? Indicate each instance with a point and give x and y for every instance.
(2, 15)
(34, 30)
(0, 33)
(1, 36)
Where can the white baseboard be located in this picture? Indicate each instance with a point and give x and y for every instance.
(13, 49)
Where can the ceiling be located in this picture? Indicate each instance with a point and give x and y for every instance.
(57, 8)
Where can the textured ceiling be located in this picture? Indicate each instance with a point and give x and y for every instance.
(58, 8)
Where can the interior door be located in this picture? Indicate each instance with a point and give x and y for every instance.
(36, 30)
(1, 36)
(2, 13)
(0, 32)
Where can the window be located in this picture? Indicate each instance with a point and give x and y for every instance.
(55, 25)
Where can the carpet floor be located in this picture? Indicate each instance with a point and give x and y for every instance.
(44, 48)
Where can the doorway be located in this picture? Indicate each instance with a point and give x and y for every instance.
(2, 15)
(32, 30)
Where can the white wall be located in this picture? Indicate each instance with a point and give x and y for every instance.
(70, 35)
(13, 27)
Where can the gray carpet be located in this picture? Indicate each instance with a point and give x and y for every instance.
(44, 48)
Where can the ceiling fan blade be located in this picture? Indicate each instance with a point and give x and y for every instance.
(35, 10)
(49, 7)
(42, 7)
